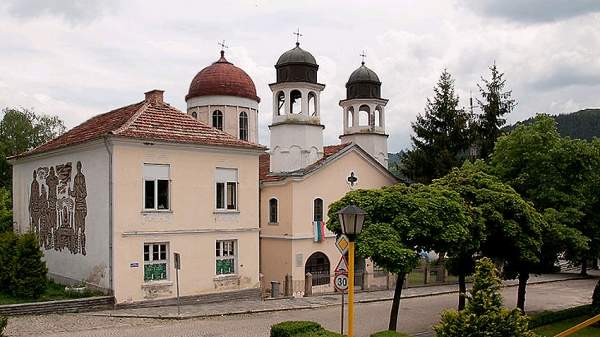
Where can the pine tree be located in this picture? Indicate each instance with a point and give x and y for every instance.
(441, 137)
(495, 103)
(29, 270)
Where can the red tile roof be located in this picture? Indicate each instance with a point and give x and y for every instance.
(146, 120)
(265, 164)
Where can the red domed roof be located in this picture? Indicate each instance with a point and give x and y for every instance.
(222, 78)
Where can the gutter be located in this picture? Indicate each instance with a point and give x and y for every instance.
(109, 149)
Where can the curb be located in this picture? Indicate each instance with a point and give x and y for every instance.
(310, 306)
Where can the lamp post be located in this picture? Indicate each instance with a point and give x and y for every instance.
(351, 220)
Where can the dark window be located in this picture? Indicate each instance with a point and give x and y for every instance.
(163, 194)
(318, 209)
(220, 195)
(231, 195)
(149, 197)
(195, 114)
(217, 119)
(243, 125)
(318, 266)
(273, 210)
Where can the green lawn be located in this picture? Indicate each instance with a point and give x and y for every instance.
(558, 327)
(53, 292)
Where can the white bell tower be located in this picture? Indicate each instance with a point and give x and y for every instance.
(296, 129)
(364, 114)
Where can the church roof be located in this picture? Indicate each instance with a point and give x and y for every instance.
(363, 74)
(296, 55)
(329, 153)
(222, 78)
(151, 120)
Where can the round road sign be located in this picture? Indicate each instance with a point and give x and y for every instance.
(341, 282)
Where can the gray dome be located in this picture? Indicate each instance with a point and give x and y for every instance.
(296, 55)
(363, 74)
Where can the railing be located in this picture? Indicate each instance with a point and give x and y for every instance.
(579, 326)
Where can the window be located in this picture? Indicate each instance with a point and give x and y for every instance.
(217, 120)
(243, 125)
(156, 187)
(318, 209)
(225, 257)
(226, 189)
(155, 262)
(312, 104)
(273, 210)
(280, 103)
(295, 102)
(195, 115)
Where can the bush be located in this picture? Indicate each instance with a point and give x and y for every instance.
(3, 323)
(295, 328)
(389, 333)
(549, 317)
(28, 277)
(484, 314)
(8, 241)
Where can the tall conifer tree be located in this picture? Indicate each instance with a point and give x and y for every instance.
(441, 137)
(495, 103)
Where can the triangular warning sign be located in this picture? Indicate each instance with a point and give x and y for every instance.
(342, 266)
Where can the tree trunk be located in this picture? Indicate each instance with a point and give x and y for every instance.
(523, 277)
(396, 302)
(584, 267)
(462, 290)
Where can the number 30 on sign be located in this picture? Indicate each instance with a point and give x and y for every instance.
(341, 282)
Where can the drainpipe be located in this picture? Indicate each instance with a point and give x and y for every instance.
(109, 149)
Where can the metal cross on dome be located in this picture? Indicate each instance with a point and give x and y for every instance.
(223, 45)
(297, 33)
(352, 179)
(363, 55)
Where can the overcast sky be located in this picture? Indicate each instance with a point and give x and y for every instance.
(79, 58)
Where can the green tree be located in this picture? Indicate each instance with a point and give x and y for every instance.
(559, 175)
(495, 103)
(401, 222)
(28, 269)
(22, 130)
(3, 323)
(484, 315)
(6, 219)
(442, 136)
(8, 241)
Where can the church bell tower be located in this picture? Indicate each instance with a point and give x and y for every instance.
(296, 129)
(364, 113)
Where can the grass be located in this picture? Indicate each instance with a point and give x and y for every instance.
(53, 292)
(558, 327)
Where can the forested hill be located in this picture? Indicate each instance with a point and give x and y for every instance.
(583, 124)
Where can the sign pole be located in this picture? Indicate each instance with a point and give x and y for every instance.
(177, 267)
(351, 289)
(342, 317)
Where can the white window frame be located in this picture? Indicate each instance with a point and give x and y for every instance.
(151, 260)
(226, 183)
(155, 180)
(247, 117)
(233, 257)
(269, 211)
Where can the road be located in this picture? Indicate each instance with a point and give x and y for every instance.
(416, 317)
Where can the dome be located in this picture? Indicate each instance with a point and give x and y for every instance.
(363, 83)
(222, 78)
(296, 55)
(363, 74)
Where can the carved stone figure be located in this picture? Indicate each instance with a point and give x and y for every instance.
(52, 183)
(79, 192)
(34, 208)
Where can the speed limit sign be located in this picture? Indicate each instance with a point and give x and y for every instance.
(341, 282)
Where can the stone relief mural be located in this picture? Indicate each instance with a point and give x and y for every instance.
(58, 207)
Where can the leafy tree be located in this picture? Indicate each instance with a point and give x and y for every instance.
(22, 130)
(484, 315)
(6, 219)
(28, 269)
(495, 103)
(401, 222)
(442, 136)
(559, 176)
(8, 241)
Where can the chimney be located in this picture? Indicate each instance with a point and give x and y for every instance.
(155, 96)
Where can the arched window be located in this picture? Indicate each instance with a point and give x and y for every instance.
(217, 120)
(273, 211)
(318, 266)
(312, 104)
(378, 116)
(243, 125)
(350, 117)
(295, 102)
(318, 209)
(280, 103)
(195, 115)
(364, 113)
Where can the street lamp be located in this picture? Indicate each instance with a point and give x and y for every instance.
(351, 220)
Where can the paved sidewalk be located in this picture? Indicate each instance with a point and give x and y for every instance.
(285, 304)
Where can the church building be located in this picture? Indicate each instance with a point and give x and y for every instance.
(113, 199)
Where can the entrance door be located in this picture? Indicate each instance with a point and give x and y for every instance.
(318, 266)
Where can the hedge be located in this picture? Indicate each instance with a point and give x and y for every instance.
(294, 328)
(549, 317)
(389, 333)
